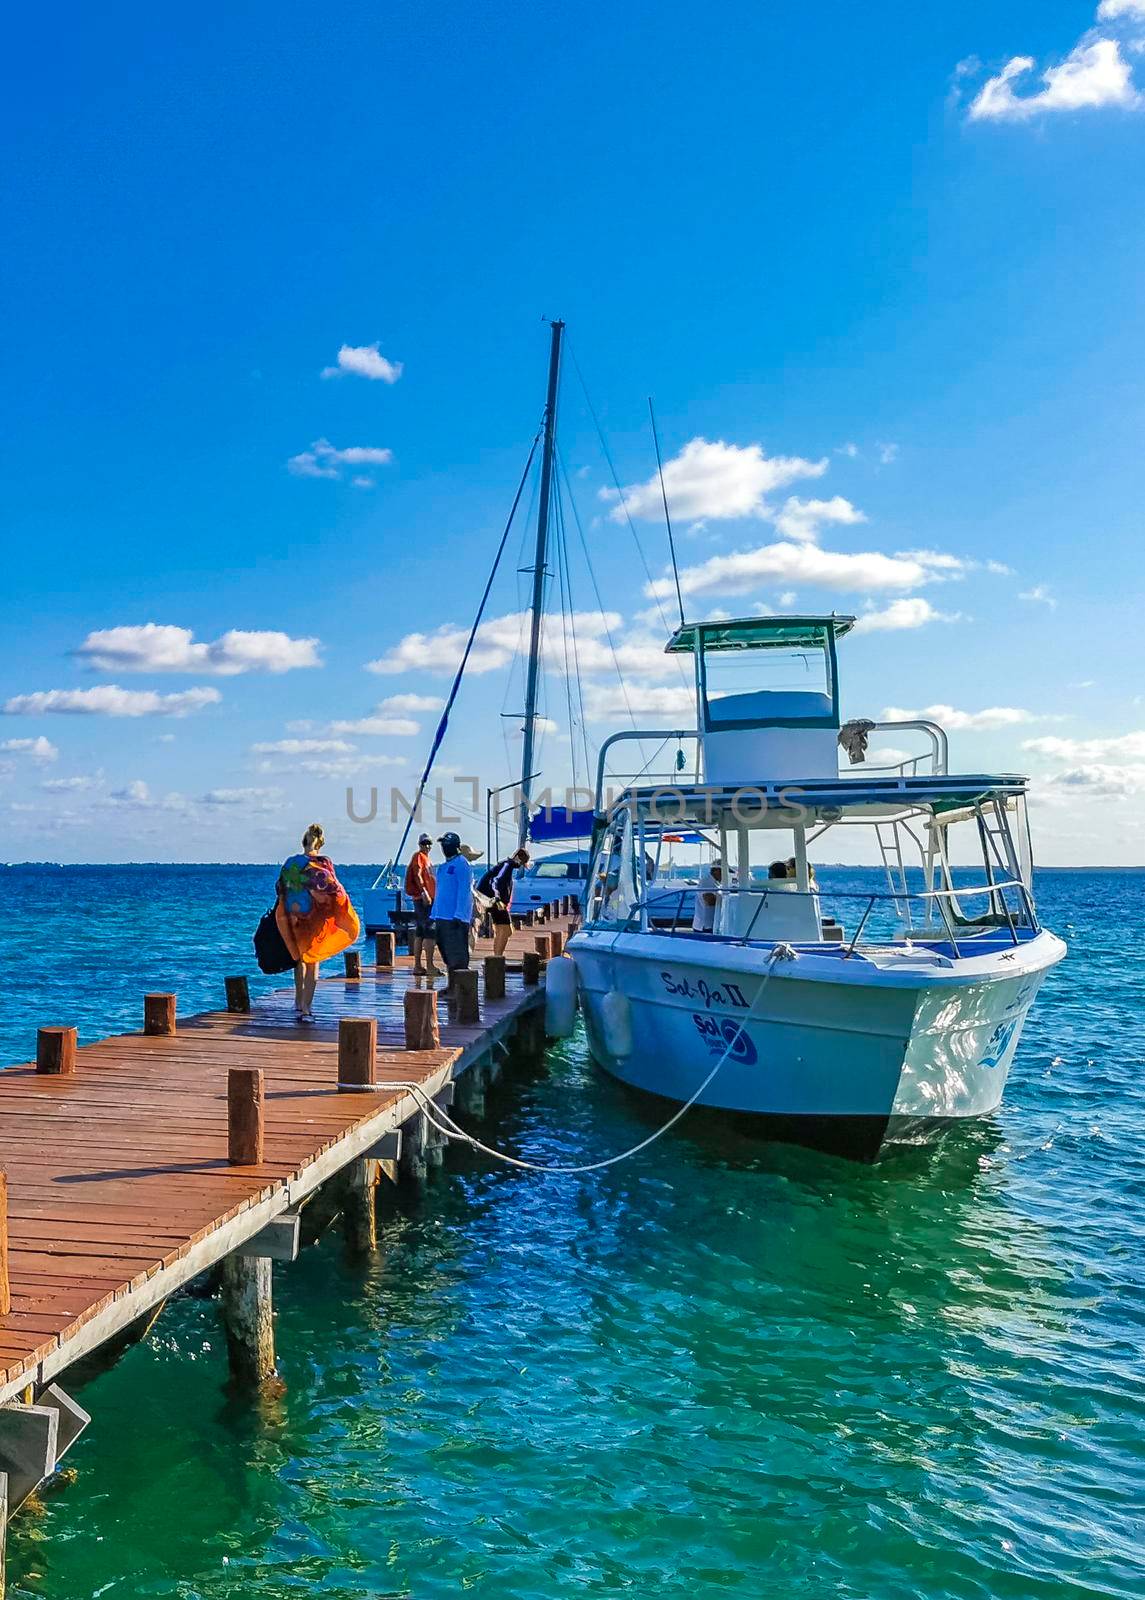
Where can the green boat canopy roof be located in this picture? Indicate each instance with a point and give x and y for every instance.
(759, 633)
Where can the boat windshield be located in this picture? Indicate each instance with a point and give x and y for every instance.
(957, 879)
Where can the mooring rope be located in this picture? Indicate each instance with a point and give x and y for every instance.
(446, 1125)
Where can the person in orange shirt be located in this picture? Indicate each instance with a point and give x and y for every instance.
(420, 887)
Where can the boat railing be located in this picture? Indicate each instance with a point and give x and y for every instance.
(934, 762)
(999, 914)
(661, 736)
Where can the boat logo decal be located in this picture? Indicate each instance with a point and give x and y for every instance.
(723, 1036)
(998, 1042)
(712, 994)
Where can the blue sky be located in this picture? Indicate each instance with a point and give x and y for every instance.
(899, 247)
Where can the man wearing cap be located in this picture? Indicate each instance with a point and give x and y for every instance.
(421, 886)
(453, 904)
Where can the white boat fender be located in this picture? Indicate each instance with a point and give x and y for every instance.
(616, 1024)
(560, 997)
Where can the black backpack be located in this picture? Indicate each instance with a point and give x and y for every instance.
(270, 947)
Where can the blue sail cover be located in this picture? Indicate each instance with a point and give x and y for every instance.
(560, 823)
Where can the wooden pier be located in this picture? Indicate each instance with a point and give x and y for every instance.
(135, 1164)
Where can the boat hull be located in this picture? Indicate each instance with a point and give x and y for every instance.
(844, 1055)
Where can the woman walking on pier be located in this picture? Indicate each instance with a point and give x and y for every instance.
(314, 916)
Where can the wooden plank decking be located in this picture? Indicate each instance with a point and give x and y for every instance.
(119, 1188)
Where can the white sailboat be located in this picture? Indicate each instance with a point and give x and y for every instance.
(845, 1020)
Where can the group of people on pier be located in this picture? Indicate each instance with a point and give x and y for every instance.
(447, 902)
(316, 918)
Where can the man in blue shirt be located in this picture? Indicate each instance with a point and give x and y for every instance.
(453, 904)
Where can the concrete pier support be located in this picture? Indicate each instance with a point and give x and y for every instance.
(248, 1318)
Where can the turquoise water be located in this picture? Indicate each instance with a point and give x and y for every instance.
(723, 1369)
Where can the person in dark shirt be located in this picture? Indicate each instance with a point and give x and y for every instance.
(497, 885)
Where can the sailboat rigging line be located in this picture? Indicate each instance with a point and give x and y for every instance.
(677, 659)
(566, 622)
(459, 674)
(444, 1123)
(596, 592)
(667, 513)
(576, 656)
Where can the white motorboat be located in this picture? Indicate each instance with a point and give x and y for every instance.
(836, 1016)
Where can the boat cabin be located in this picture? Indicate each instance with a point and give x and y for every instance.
(767, 695)
(771, 745)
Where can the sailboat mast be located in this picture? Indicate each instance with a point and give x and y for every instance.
(538, 601)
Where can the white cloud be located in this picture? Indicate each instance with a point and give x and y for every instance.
(413, 702)
(109, 700)
(501, 639)
(712, 479)
(41, 750)
(999, 569)
(802, 519)
(249, 799)
(302, 747)
(848, 449)
(908, 613)
(1110, 10)
(1094, 74)
(74, 785)
(323, 460)
(865, 572)
(964, 721)
(1122, 747)
(138, 796)
(378, 725)
(1039, 594)
(888, 453)
(605, 702)
(159, 647)
(362, 482)
(347, 766)
(364, 361)
(1097, 779)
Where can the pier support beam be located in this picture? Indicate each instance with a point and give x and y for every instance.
(359, 1211)
(248, 1318)
(384, 949)
(353, 960)
(414, 1139)
(494, 977)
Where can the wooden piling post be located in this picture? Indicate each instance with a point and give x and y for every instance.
(464, 1001)
(159, 1013)
(359, 1212)
(422, 1031)
(474, 1081)
(248, 1318)
(56, 1051)
(415, 1136)
(543, 945)
(518, 923)
(353, 960)
(244, 1116)
(384, 948)
(5, 1286)
(531, 968)
(556, 942)
(357, 1052)
(494, 977)
(238, 994)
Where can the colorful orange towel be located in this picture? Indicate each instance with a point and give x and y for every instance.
(314, 913)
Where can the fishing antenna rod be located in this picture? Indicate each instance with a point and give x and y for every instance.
(459, 674)
(667, 513)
